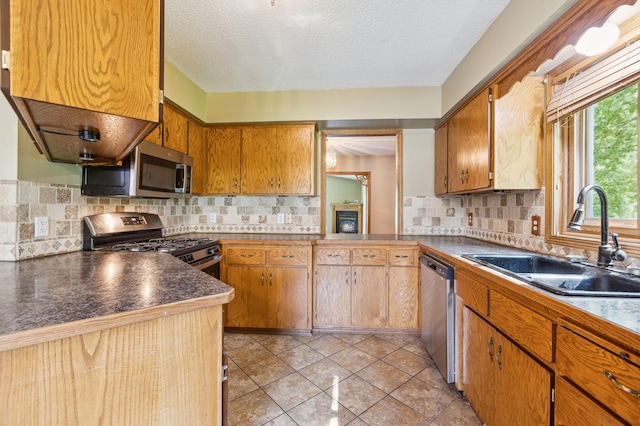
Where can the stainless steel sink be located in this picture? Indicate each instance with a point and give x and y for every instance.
(562, 277)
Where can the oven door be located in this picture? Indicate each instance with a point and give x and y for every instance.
(210, 265)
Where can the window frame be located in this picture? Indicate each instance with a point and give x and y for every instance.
(565, 140)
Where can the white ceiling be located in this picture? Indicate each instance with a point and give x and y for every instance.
(250, 45)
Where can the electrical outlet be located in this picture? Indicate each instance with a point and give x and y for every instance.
(42, 227)
(288, 218)
(535, 225)
(213, 218)
(280, 217)
(470, 219)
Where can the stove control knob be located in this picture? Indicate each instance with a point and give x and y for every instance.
(213, 250)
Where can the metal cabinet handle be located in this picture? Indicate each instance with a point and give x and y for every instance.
(270, 279)
(466, 176)
(489, 347)
(355, 277)
(445, 181)
(462, 176)
(498, 357)
(279, 182)
(401, 256)
(166, 131)
(247, 255)
(235, 182)
(287, 256)
(346, 277)
(271, 182)
(619, 385)
(262, 279)
(369, 255)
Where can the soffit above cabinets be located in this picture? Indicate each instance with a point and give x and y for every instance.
(279, 45)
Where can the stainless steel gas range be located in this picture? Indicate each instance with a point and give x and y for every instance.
(135, 232)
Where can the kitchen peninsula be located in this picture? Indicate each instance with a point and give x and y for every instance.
(106, 337)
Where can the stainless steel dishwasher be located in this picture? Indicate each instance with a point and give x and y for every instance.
(438, 314)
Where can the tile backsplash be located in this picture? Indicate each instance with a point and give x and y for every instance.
(503, 218)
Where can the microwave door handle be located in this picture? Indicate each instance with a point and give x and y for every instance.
(180, 177)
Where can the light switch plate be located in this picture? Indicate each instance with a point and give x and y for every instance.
(213, 217)
(280, 217)
(470, 219)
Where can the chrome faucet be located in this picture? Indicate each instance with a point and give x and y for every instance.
(606, 253)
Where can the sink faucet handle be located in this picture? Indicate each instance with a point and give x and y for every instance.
(617, 253)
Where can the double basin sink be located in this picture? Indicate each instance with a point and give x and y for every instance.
(561, 276)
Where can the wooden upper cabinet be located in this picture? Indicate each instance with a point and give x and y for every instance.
(469, 154)
(518, 132)
(79, 65)
(155, 136)
(224, 144)
(440, 166)
(278, 160)
(493, 142)
(197, 148)
(259, 156)
(175, 129)
(295, 172)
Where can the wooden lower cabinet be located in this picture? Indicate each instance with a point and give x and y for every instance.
(572, 407)
(504, 385)
(358, 288)
(603, 373)
(272, 287)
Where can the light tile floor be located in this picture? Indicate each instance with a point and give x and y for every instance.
(338, 379)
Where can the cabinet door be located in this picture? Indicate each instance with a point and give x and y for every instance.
(368, 296)
(295, 168)
(155, 136)
(100, 56)
(332, 296)
(479, 349)
(259, 160)
(523, 387)
(249, 306)
(175, 129)
(197, 148)
(404, 299)
(440, 166)
(288, 303)
(469, 156)
(224, 146)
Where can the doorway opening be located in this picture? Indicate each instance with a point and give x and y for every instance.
(370, 156)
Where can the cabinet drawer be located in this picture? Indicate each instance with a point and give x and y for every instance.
(364, 256)
(288, 256)
(575, 408)
(474, 294)
(333, 256)
(599, 372)
(403, 257)
(246, 256)
(528, 328)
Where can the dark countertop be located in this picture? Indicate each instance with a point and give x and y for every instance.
(623, 312)
(67, 288)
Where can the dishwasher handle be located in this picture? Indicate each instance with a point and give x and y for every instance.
(437, 265)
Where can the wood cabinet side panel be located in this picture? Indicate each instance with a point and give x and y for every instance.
(224, 160)
(58, 56)
(162, 371)
(441, 160)
(518, 136)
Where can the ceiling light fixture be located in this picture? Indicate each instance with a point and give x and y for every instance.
(597, 40)
(331, 159)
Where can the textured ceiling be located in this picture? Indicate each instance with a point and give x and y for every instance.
(362, 145)
(250, 45)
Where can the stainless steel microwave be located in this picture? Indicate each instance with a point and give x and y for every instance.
(150, 171)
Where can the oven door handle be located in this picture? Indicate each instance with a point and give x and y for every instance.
(212, 261)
